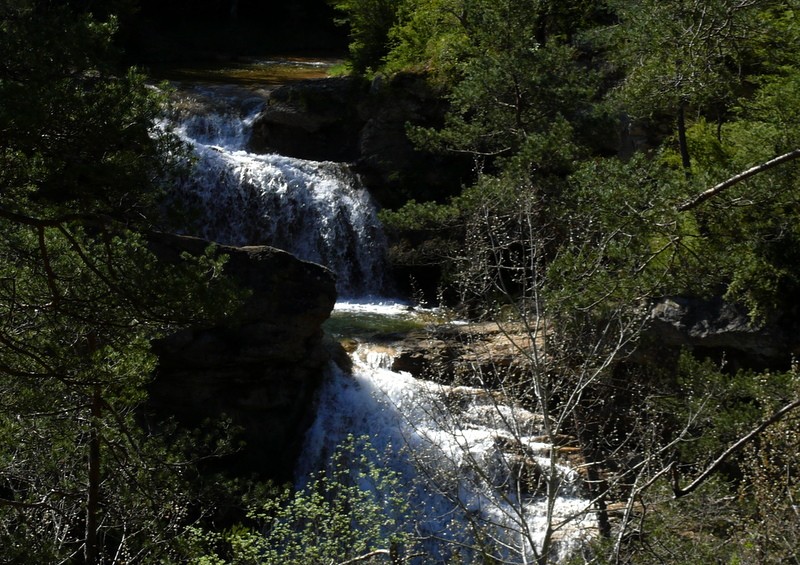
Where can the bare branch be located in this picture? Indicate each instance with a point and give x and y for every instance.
(775, 417)
(18, 504)
(744, 175)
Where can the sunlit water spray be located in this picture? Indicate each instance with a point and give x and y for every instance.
(472, 464)
(318, 211)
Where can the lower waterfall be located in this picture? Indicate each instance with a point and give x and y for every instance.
(474, 469)
(472, 466)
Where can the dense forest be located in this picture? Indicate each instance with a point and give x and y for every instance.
(624, 153)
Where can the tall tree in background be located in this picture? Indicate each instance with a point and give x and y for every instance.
(369, 22)
(81, 298)
(716, 69)
(681, 56)
(516, 87)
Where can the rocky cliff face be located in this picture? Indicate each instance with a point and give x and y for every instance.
(319, 120)
(349, 119)
(262, 367)
(720, 330)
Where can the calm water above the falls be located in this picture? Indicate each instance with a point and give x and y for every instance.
(255, 73)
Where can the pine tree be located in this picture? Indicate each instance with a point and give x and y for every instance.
(82, 297)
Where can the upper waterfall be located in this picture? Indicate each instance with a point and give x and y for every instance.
(318, 211)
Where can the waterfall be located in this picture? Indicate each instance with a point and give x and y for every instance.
(471, 463)
(318, 211)
(474, 468)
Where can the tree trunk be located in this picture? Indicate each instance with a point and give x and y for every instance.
(684, 148)
(91, 553)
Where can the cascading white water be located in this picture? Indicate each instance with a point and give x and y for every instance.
(471, 464)
(468, 462)
(317, 211)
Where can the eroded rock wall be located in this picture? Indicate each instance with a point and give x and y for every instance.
(366, 124)
(260, 368)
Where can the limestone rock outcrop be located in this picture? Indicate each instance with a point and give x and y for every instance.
(717, 328)
(472, 354)
(260, 368)
(349, 119)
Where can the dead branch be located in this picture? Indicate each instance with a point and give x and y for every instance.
(678, 492)
(366, 556)
(724, 185)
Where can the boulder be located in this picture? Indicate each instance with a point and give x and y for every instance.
(317, 120)
(261, 368)
(718, 329)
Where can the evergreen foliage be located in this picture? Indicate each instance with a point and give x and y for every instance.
(562, 227)
(82, 297)
(529, 89)
(369, 22)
